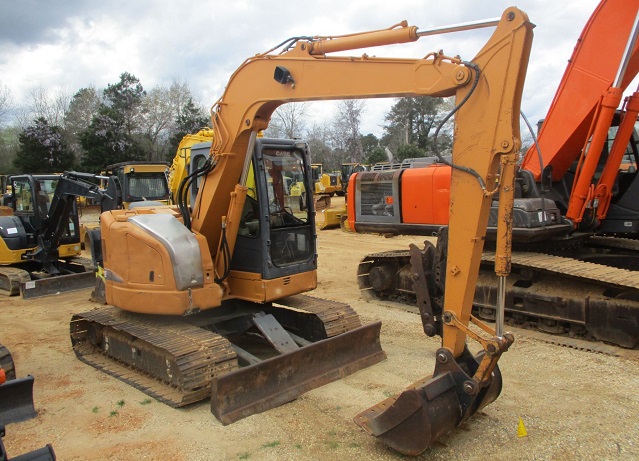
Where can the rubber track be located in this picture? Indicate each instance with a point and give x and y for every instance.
(10, 280)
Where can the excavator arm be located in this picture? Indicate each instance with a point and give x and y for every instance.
(591, 71)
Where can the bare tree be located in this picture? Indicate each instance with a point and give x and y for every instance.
(6, 104)
(347, 128)
(288, 121)
(50, 105)
(319, 144)
(180, 94)
(161, 108)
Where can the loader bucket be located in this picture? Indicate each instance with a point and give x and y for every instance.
(281, 379)
(413, 420)
(16, 401)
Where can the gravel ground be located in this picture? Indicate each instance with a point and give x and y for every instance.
(575, 405)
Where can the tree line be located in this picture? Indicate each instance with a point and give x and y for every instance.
(124, 122)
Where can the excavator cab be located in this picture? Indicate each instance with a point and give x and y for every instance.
(40, 235)
(274, 239)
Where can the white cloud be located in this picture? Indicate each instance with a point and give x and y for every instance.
(203, 42)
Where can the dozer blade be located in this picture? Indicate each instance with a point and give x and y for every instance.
(332, 217)
(58, 284)
(16, 401)
(42, 454)
(413, 420)
(281, 379)
(322, 202)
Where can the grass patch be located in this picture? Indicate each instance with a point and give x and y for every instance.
(95, 409)
(146, 402)
(121, 403)
(273, 444)
(113, 413)
(245, 455)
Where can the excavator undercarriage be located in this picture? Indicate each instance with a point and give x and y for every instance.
(578, 292)
(241, 354)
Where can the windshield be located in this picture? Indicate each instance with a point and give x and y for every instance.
(284, 173)
(148, 186)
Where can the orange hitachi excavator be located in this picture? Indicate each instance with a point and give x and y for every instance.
(206, 301)
(576, 210)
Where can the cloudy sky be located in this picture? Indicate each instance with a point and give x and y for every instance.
(69, 44)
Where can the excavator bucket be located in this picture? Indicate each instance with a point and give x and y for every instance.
(413, 420)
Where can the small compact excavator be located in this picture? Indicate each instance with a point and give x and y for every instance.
(40, 234)
(206, 300)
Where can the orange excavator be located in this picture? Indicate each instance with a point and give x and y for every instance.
(205, 301)
(576, 209)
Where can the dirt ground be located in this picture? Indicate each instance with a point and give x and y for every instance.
(575, 405)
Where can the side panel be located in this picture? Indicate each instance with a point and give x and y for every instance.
(425, 195)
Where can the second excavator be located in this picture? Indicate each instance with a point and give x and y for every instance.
(575, 270)
(206, 300)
